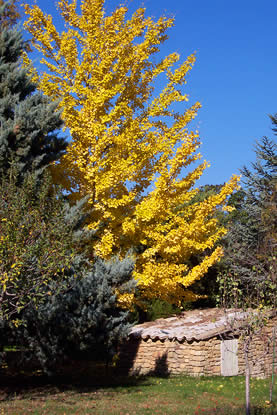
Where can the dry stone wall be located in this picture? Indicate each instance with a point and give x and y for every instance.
(171, 357)
(195, 358)
(261, 353)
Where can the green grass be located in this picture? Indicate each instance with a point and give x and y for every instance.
(83, 394)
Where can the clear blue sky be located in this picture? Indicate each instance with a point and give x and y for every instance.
(234, 77)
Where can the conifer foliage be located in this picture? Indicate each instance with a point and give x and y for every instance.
(28, 120)
(251, 243)
(85, 318)
(130, 144)
(56, 301)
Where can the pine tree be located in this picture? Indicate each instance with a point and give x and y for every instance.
(85, 318)
(28, 120)
(251, 243)
(249, 280)
(56, 300)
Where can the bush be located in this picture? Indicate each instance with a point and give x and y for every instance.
(83, 319)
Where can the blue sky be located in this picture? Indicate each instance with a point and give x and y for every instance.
(234, 77)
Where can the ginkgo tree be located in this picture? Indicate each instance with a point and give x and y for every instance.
(131, 149)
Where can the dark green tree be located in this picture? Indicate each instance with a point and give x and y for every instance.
(251, 243)
(84, 320)
(29, 122)
(249, 277)
(56, 301)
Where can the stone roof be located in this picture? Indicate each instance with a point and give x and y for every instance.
(190, 325)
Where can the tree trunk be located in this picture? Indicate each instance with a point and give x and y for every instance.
(273, 365)
(247, 377)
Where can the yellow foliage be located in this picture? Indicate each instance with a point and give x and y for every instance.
(130, 145)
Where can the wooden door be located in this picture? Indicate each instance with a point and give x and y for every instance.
(229, 357)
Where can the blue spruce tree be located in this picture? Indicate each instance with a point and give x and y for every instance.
(75, 309)
(29, 122)
(85, 320)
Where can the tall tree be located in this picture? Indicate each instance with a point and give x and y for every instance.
(130, 145)
(251, 243)
(249, 276)
(29, 121)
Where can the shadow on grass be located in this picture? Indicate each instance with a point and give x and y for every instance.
(100, 383)
(80, 377)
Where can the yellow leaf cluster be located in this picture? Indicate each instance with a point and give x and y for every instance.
(131, 150)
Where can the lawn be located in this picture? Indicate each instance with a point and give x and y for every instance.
(112, 394)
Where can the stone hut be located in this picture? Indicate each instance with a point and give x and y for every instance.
(198, 342)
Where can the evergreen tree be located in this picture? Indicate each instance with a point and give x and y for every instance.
(56, 301)
(249, 276)
(251, 243)
(274, 122)
(28, 120)
(85, 318)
